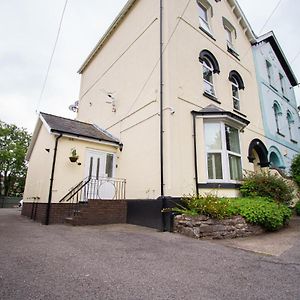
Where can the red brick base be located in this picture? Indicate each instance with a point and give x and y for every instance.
(93, 213)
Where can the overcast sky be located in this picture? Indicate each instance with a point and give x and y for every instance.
(28, 31)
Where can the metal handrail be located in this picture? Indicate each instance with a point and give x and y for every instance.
(77, 188)
(94, 188)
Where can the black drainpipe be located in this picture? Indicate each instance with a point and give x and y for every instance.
(51, 181)
(161, 104)
(195, 154)
(162, 193)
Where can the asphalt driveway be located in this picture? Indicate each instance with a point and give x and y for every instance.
(130, 262)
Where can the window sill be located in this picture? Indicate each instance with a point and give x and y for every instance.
(293, 141)
(232, 52)
(287, 99)
(207, 33)
(211, 97)
(220, 185)
(279, 133)
(238, 112)
(273, 87)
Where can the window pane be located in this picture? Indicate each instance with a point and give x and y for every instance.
(202, 12)
(212, 136)
(236, 104)
(235, 91)
(235, 167)
(207, 73)
(282, 83)
(209, 88)
(109, 165)
(232, 139)
(214, 165)
(208, 79)
(228, 35)
(270, 72)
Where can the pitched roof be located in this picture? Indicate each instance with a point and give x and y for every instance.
(271, 38)
(213, 110)
(76, 128)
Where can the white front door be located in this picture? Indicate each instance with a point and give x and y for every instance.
(99, 166)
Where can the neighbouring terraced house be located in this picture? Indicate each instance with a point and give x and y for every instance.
(170, 104)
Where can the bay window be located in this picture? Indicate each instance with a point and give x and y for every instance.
(223, 153)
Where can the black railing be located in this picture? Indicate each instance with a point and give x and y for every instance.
(94, 188)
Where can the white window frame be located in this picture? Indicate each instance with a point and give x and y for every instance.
(224, 154)
(208, 65)
(204, 23)
(235, 84)
(229, 38)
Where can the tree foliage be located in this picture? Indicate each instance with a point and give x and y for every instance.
(295, 169)
(14, 142)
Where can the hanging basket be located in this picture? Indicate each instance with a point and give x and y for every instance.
(73, 158)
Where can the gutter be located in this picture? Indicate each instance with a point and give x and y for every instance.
(84, 136)
(51, 181)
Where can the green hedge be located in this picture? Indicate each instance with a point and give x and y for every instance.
(260, 211)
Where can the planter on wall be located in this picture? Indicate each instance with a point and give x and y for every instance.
(73, 158)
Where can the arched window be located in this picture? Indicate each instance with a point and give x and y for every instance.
(210, 66)
(275, 158)
(277, 114)
(208, 77)
(236, 85)
(290, 121)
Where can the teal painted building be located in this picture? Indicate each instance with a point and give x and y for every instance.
(276, 82)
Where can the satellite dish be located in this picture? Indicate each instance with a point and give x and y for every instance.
(74, 107)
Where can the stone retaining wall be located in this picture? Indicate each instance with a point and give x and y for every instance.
(207, 228)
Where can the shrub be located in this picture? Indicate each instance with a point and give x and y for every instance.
(297, 208)
(295, 169)
(209, 205)
(261, 211)
(266, 185)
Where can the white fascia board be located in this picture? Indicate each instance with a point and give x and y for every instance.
(45, 123)
(70, 136)
(33, 139)
(106, 35)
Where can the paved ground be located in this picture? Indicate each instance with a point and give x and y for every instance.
(130, 262)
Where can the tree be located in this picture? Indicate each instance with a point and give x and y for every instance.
(14, 142)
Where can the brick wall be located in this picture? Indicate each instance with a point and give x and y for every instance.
(102, 212)
(93, 213)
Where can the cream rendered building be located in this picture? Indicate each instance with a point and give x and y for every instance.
(126, 66)
(173, 85)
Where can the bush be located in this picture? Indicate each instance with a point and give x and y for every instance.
(295, 169)
(210, 206)
(266, 185)
(297, 208)
(260, 211)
